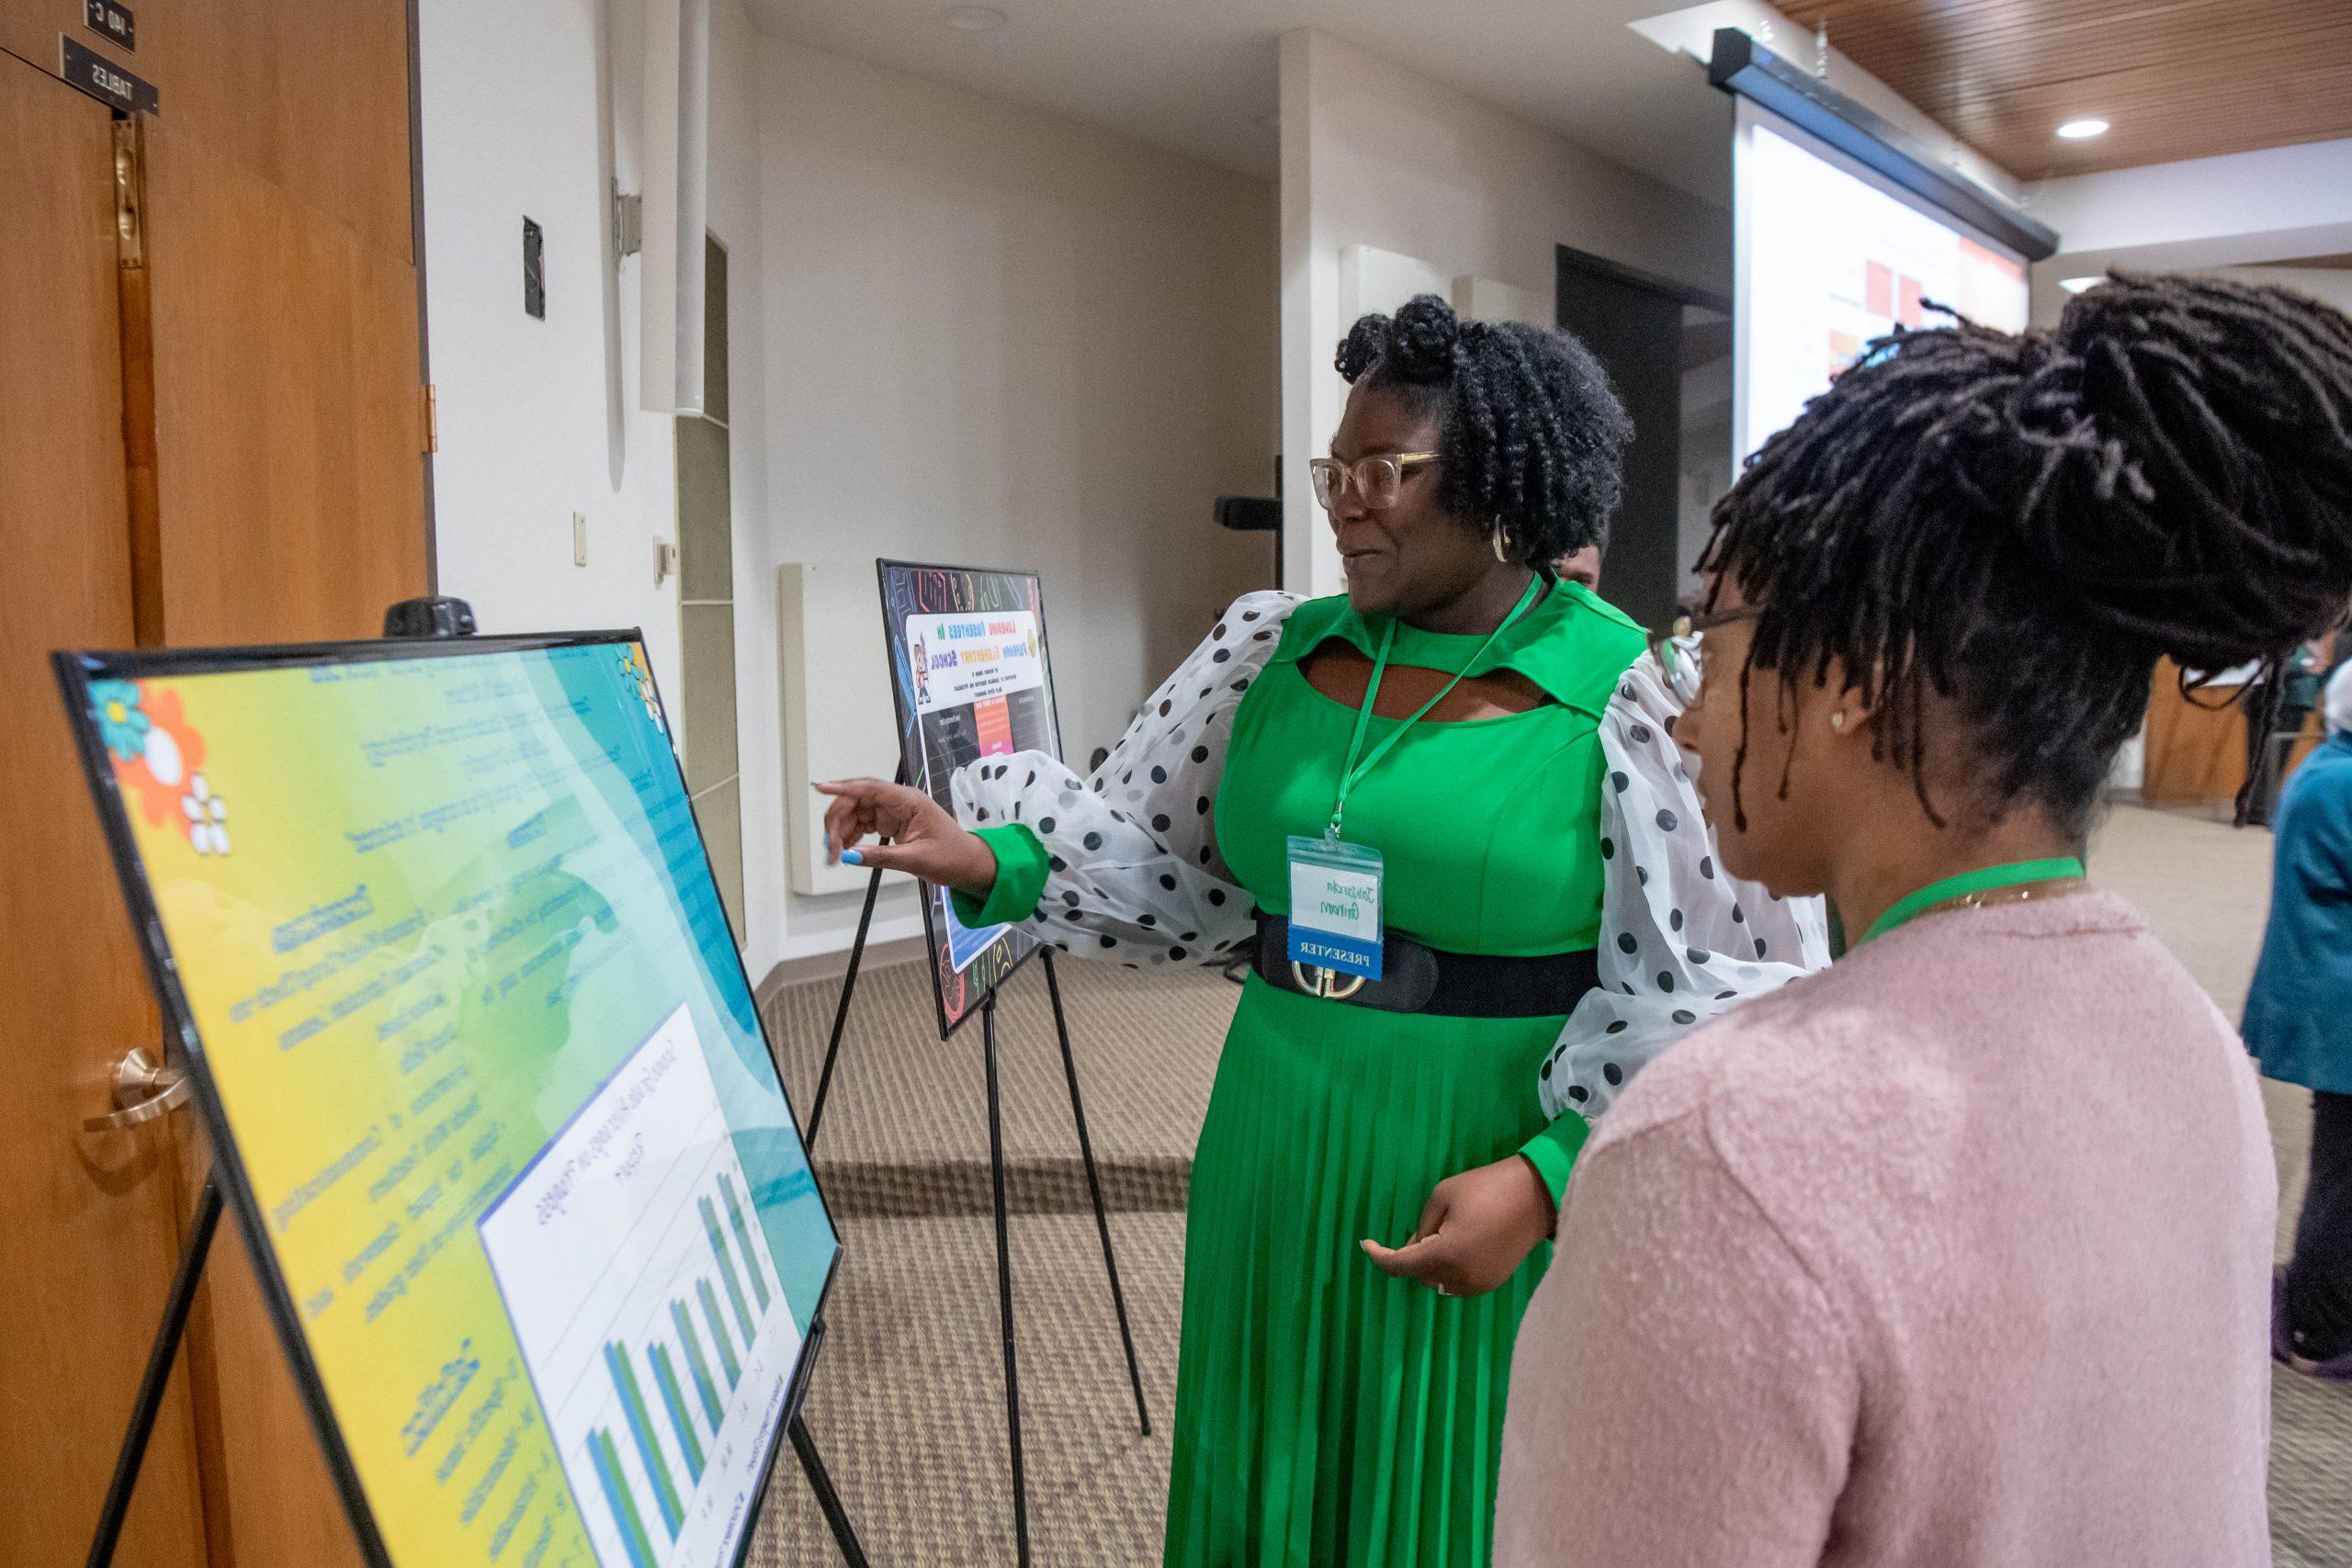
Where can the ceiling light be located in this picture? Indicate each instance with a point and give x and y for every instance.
(2082, 129)
(2076, 285)
(986, 19)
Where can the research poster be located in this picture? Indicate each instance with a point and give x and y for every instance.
(972, 679)
(1833, 261)
(465, 998)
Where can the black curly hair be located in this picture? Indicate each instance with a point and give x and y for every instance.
(1531, 436)
(2023, 523)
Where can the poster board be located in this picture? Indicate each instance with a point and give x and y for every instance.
(970, 677)
(435, 929)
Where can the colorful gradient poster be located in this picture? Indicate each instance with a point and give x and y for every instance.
(464, 996)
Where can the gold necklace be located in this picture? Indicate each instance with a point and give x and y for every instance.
(2021, 892)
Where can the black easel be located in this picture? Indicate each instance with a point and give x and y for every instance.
(996, 1179)
(152, 1384)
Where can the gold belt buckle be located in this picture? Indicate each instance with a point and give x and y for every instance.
(1329, 984)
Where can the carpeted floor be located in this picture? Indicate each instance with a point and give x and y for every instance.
(908, 1401)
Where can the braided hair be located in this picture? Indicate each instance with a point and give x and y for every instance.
(1531, 435)
(2022, 523)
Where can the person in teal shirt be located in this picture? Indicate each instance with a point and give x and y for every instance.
(2296, 1025)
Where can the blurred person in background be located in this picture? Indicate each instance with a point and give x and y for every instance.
(2296, 1026)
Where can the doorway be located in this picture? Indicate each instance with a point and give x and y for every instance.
(1667, 348)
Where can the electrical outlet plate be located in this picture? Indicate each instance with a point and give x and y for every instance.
(665, 561)
(579, 539)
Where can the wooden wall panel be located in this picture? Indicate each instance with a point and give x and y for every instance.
(288, 423)
(28, 29)
(89, 1222)
(2194, 753)
(290, 507)
(310, 98)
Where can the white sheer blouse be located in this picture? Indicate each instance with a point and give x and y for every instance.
(1136, 876)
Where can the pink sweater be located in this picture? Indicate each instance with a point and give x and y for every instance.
(1957, 1254)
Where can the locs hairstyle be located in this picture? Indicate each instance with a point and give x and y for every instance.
(1532, 437)
(2021, 525)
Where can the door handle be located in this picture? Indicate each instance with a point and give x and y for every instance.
(143, 1090)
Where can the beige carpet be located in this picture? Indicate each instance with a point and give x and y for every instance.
(908, 1402)
(905, 1126)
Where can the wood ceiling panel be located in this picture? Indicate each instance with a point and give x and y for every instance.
(2175, 78)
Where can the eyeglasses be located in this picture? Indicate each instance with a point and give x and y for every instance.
(1675, 648)
(1378, 480)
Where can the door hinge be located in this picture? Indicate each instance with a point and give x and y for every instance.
(431, 418)
(130, 194)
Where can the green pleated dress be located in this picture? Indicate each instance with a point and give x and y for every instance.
(1327, 1413)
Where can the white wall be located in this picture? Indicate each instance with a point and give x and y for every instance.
(2241, 210)
(1373, 154)
(515, 125)
(996, 337)
(958, 330)
(2329, 285)
(530, 108)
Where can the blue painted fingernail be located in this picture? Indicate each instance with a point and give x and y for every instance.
(851, 857)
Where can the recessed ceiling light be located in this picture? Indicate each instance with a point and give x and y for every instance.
(2083, 129)
(986, 19)
(2076, 285)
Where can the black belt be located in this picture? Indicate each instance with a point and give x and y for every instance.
(1417, 977)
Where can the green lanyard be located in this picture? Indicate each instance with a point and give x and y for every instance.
(1352, 773)
(2012, 876)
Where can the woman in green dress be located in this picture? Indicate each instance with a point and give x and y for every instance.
(1551, 915)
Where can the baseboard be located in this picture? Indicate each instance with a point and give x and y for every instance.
(833, 965)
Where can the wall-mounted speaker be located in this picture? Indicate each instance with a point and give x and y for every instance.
(1250, 513)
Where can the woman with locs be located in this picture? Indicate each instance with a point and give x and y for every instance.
(1376, 1182)
(1957, 1254)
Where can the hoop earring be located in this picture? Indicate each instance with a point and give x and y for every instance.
(1498, 538)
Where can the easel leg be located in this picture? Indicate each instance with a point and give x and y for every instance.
(1004, 1286)
(158, 1376)
(829, 1501)
(840, 1015)
(1094, 1187)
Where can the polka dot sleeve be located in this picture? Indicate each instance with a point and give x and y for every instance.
(1681, 939)
(1134, 873)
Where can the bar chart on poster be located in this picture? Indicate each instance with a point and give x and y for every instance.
(648, 1313)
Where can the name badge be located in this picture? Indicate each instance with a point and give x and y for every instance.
(1335, 906)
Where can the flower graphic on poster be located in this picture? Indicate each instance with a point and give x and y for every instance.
(633, 666)
(207, 816)
(156, 756)
(121, 723)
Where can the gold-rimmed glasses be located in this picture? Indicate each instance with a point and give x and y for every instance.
(1676, 647)
(1377, 479)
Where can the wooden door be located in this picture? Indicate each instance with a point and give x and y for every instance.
(88, 1222)
(259, 408)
